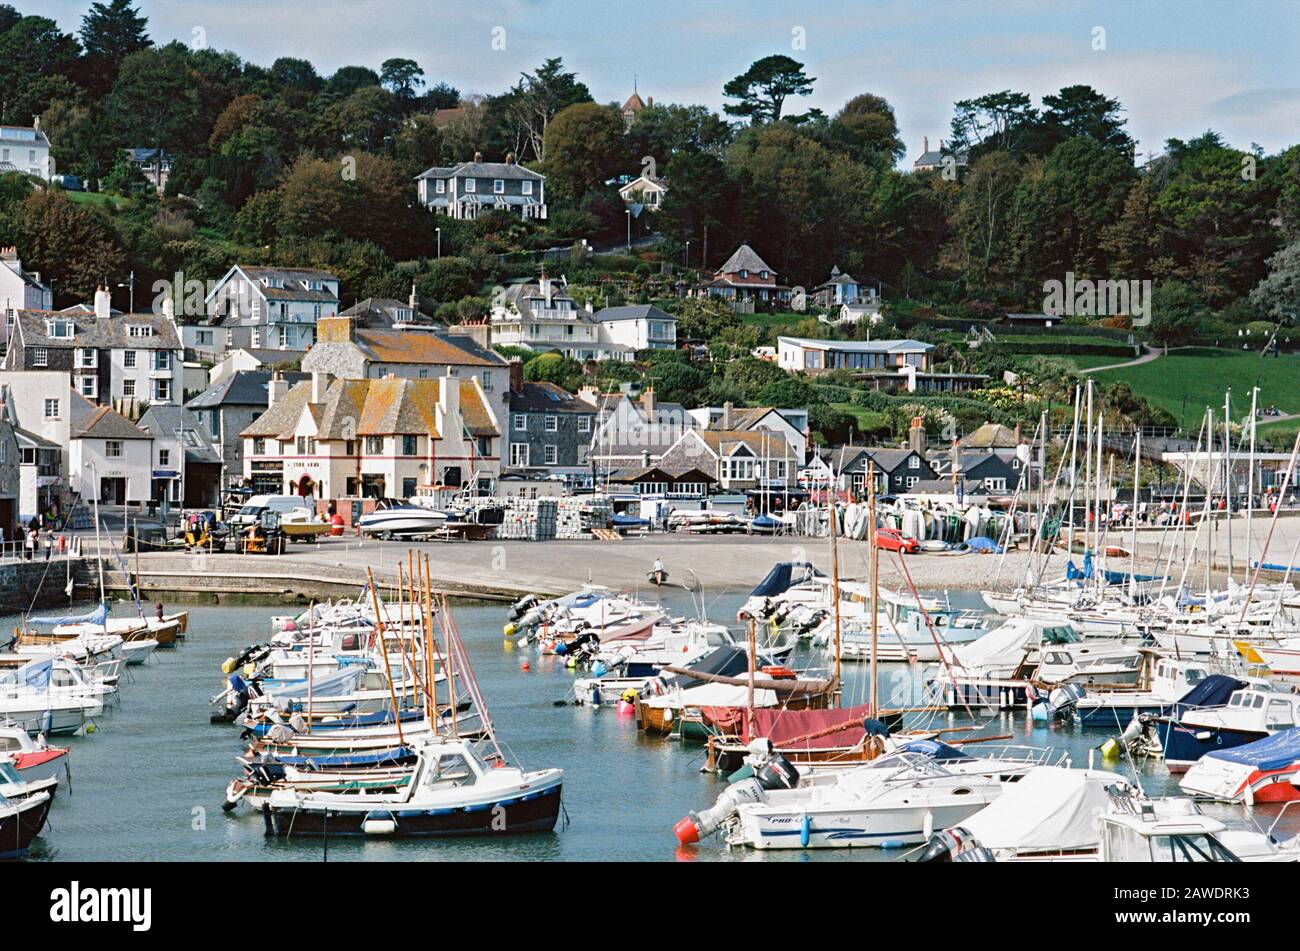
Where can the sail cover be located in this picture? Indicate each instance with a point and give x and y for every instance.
(337, 683)
(782, 726)
(96, 617)
(1272, 752)
(1051, 808)
(782, 576)
(727, 661)
(35, 674)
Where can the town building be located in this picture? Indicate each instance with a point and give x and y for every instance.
(110, 458)
(228, 407)
(747, 278)
(388, 313)
(107, 356)
(638, 326)
(38, 403)
(154, 164)
(20, 289)
(931, 160)
(633, 107)
(790, 424)
(187, 469)
(243, 359)
(26, 149)
(332, 439)
(271, 307)
(645, 191)
(633, 432)
(740, 461)
(471, 188)
(806, 355)
(11, 458)
(550, 430)
(543, 316)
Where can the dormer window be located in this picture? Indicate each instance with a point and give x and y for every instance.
(763, 275)
(60, 329)
(744, 272)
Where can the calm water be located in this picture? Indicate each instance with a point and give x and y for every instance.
(148, 783)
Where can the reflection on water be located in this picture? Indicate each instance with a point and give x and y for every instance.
(149, 783)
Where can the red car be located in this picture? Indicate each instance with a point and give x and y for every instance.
(891, 539)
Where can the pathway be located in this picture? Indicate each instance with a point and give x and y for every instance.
(1145, 358)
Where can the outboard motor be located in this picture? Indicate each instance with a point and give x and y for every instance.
(236, 700)
(578, 645)
(518, 609)
(1063, 700)
(954, 845)
(776, 772)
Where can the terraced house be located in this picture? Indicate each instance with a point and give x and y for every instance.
(372, 438)
(550, 429)
(471, 188)
(271, 307)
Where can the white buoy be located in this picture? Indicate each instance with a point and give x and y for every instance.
(379, 827)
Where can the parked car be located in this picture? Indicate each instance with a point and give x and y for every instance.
(891, 539)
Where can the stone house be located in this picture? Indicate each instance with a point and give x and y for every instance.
(230, 406)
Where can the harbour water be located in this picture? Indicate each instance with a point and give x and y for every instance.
(148, 783)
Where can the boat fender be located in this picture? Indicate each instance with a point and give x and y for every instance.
(379, 827)
(625, 709)
(629, 695)
(777, 672)
(598, 669)
(1110, 750)
(805, 831)
(228, 665)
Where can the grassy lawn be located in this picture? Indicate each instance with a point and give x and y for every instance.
(868, 420)
(1081, 362)
(771, 320)
(1187, 381)
(93, 198)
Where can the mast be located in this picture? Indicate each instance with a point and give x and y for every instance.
(875, 584)
(383, 650)
(1133, 548)
(1250, 477)
(1227, 476)
(835, 565)
(753, 662)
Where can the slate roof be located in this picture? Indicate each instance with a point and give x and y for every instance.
(24, 135)
(27, 278)
(90, 421)
(990, 436)
(724, 441)
(860, 346)
(381, 312)
(481, 170)
(548, 398)
(634, 312)
(102, 334)
(944, 487)
(524, 294)
(241, 388)
(172, 421)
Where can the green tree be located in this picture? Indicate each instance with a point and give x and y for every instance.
(866, 127)
(110, 32)
(403, 78)
(155, 102)
(584, 148)
(1082, 111)
(1003, 121)
(38, 59)
(1278, 294)
(762, 89)
(72, 245)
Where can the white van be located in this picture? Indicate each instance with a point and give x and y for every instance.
(283, 504)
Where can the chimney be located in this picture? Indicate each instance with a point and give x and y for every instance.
(926, 146)
(727, 407)
(103, 304)
(276, 389)
(516, 375)
(319, 384)
(510, 158)
(36, 123)
(449, 402)
(648, 404)
(1017, 434)
(336, 330)
(546, 289)
(650, 102)
(645, 458)
(478, 156)
(941, 145)
(414, 301)
(916, 435)
(169, 308)
(589, 394)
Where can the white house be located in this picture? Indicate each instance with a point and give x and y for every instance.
(38, 404)
(472, 188)
(271, 307)
(543, 316)
(804, 354)
(20, 289)
(646, 191)
(110, 458)
(790, 424)
(639, 326)
(27, 150)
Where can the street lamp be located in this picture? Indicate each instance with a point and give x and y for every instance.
(131, 284)
(628, 212)
(687, 262)
(439, 230)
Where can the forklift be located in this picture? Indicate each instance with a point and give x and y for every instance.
(263, 537)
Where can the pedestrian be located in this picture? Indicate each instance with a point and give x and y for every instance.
(49, 542)
(29, 544)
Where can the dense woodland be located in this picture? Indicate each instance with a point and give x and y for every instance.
(261, 152)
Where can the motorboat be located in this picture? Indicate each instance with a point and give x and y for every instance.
(29, 697)
(1208, 721)
(34, 759)
(453, 791)
(396, 519)
(1263, 771)
(1072, 815)
(1161, 683)
(21, 821)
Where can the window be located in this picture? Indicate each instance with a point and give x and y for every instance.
(128, 359)
(470, 184)
(584, 424)
(408, 488)
(440, 186)
(164, 458)
(162, 360)
(139, 330)
(51, 409)
(739, 468)
(88, 388)
(374, 445)
(203, 337)
(485, 445)
(61, 329)
(552, 455)
(113, 448)
(162, 391)
(499, 186)
(259, 447)
(87, 359)
(40, 357)
(487, 381)
(424, 374)
(521, 423)
(527, 187)
(914, 462)
(519, 455)
(410, 446)
(128, 387)
(996, 485)
(911, 481)
(350, 447)
(552, 424)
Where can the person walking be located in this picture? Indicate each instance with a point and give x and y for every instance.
(29, 545)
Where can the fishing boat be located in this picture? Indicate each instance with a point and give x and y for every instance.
(1262, 771)
(34, 759)
(1072, 815)
(894, 800)
(453, 791)
(21, 821)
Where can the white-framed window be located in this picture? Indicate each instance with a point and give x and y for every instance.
(551, 455)
(139, 330)
(914, 462)
(162, 391)
(911, 481)
(164, 458)
(374, 445)
(113, 448)
(162, 359)
(552, 424)
(60, 329)
(487, 381)
(584, 424)
(527, 187)
(128, 387)
(40, 357)
(519, 455)
(128, 359)
(471, 184)
(996, 485)
(87, 386)
(521, 423)
(499, 186)
(440, 187)
(739, 468)
(52, 409)
(259, 447)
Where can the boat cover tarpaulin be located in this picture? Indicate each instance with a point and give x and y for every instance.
(1272, 752)
(339, 683)
(1213, 691)
(782, 576)
(96, 617)
(1000, 647)
(1051, 808)
(712, 695)
(782, 726)
(726, 661)
(35, 674)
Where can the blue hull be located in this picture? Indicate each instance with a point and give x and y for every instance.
(1183, 747)
(1116, 717)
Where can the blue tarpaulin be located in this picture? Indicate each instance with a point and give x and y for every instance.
(936, 750)
(1213, 691)
(1272, 752)
(96, 617)
(782, 576)
(35, 674)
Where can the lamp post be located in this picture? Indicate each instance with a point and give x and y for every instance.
(439, 230)
(687, 262)
(131, 285)
(628, 213)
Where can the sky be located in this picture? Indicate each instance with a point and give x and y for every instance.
(1179, 67)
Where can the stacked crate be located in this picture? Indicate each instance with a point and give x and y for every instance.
(528, 520)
